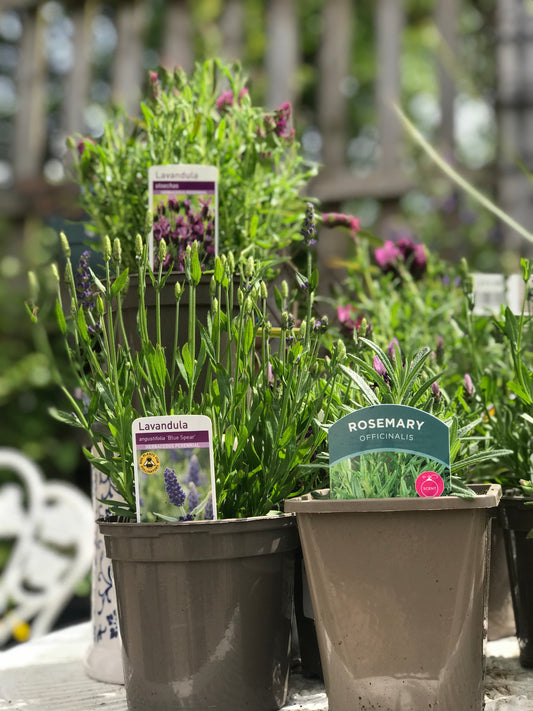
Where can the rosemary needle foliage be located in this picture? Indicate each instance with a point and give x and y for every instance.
(266, 390)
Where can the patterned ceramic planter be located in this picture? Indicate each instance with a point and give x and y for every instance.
(103, 661)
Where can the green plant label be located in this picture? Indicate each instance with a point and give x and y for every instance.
(174, 472)
(184, 203)
(384, 451)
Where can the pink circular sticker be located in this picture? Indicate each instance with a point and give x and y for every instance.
(429, 484)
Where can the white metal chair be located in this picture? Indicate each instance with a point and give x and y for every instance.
(51, 524)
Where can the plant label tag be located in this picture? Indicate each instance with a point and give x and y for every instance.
(184, 203)
(489, 293)
(174, 471)
(383, 451)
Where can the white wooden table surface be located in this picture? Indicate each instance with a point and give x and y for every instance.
(47, 674)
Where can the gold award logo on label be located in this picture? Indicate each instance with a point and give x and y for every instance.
(149, 462)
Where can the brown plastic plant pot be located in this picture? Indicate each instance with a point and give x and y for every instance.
(204, 612)
(399, 592)
(516, 517)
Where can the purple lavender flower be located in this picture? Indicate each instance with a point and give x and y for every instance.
(391, 348)
(83, 282)
(208, 511)
(379, 366)
(155, 85)
(224, 101)
(281, 117)
(339, 219)
(308, 230)
(193, 498)
(468, 385)
(435, 391)
(175, 493)
(387, 255)
(380, 369)
(193, 475)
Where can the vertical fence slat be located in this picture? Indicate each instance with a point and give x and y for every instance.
(77, 84)
(333, 67)
(389, 29)
(447, 21)
(128, 77)
(232, 29)
(515, 112)
(177, 49)
(30, 125)
(281, 59)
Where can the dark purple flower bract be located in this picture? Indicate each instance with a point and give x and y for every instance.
(174, 490)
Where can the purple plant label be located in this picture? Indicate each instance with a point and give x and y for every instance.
(184, 203)
(174, 471)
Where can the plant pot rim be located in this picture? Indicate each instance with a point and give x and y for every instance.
(487, 496)
(161, 528)
(200, 540)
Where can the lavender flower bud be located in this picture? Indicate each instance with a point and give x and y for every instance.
(263, 290)
(249, 268)
(55, 271)
(106, 248)
(178, 290)
(284, 289)
(65, 246)
(162, 251)
(138, 246)
(175, 493)
(341, 350)
(117, 251)
(379, 367)
(468, 386)
(435, 391)
(219, 270)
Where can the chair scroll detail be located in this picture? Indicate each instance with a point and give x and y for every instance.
(50, 525)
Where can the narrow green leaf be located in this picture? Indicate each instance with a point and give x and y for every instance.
(119, 283)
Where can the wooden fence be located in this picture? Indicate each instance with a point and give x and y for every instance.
(30, 138)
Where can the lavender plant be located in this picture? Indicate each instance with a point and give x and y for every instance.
(208, 118)
(266, 390)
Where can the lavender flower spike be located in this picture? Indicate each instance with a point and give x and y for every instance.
(194, 470)
(468, 385)
(308, 230)
(379, 367)
(175, 493)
